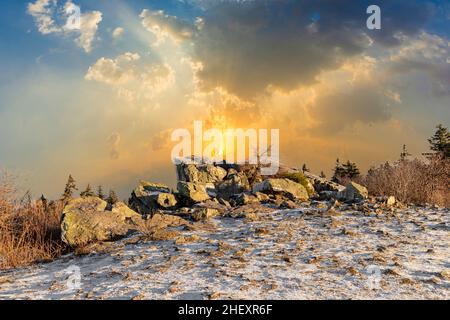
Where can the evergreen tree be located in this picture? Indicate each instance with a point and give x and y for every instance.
(440, 141)
(338, 171)
(100, 193)
(69, 189)
(322, 175)
(88, 192)
(351, 170)
(305, 168)
(112, 198)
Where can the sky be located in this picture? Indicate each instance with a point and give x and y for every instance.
(100, 102)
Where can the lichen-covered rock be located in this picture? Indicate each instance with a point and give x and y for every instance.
(165, 200)
(195, 173)
(354, 192)
(146, 187)
(86, 220)
(262, 197)
(245, 198)
(193, 192)
(322, 184)
(149, 197)
(235, 183)
(391, 201)
(289, 188)
(203, 214)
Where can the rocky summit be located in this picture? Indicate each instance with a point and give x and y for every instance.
(204, 191)
(228, 232)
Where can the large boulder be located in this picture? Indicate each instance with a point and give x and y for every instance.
(245, 198)
(192, 192)
(354, 192)
(86, 220)
(204, 214)
(235, 183)
(204, 173)
(289, 188)
(322, 184)
(149, 197)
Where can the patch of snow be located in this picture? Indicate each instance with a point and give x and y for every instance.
(289, 254)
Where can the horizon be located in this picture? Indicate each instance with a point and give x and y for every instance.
(101, 103)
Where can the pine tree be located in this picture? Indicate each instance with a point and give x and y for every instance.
(88, 192)
(351, 170)
(440, 141)
(112, 198)
(100, 193)
(305, 168)
(338, 171)
(322, 175)
(69, 189)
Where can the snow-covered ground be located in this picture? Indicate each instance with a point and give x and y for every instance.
(291, 254)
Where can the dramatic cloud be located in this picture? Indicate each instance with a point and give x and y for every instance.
(47, 13)
(245, 47)
(427, 54)
(340, 110)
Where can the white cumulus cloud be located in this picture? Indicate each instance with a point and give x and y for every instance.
(47, 14)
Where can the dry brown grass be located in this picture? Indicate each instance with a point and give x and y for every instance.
(29, 232)
(412, 181)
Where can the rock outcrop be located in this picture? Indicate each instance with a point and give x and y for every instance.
(89, 220)
(86, 220)
(285, 187)
(192, 192)
(353, 192)
(149, 197)
(205, 173)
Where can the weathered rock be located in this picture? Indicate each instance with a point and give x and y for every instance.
(288, 204)
(149, 197)
(353, 192)
(235, 183)
(203, 214)
(322, 184)
(262, 197)
(162, 221)
(291, 189)
(224, 202)
(151, 187)
(85, 221)
(390, 201)
(205, 173)
(328, 195)
(249, 210)
(165, 200)
(210, 204)
(192, 192)
(245, 198)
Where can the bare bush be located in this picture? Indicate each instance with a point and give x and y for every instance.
(412, 181)
(29, 231)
